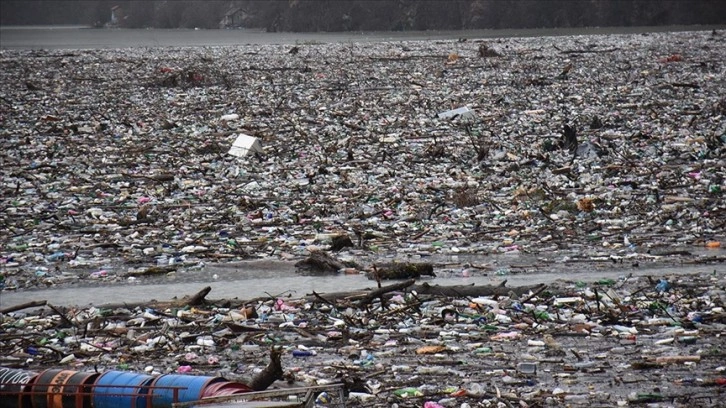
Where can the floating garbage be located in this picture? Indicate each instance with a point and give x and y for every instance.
(463, 113)
(153, 176)
(244, 145)
(585, 153)
(430, 341)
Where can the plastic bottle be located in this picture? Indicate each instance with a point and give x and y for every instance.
(322, 398)
(475, 389)
(408, 392)
(527, 368)
(302, 353)
(663, 286)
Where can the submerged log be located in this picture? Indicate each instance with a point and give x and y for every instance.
(401, 270)
(318, 263)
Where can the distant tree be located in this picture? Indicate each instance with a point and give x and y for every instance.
(202, 14)
(138, 13)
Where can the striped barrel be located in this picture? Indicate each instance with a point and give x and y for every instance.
(14, 384)
(58, 388)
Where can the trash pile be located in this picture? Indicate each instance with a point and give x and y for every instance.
(120, 164)
(614, 342)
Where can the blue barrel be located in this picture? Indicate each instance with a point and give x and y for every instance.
(13, 384)
(190, 388)
(120, 389)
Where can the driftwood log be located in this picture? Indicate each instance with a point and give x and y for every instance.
(153, 271)
(269, 374)
(368, 295)
(339, 242)
(198, 297)
(10, 309)
(382, 291)
(474, 291)
(401, 270)
(319, 263)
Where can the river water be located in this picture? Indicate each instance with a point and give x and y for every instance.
(75, 37)
(252, 279)
(260, 278)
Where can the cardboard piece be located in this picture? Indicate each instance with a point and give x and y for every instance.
(244, 144)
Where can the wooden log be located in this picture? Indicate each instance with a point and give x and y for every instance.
(677, 359)
(66, 321)
(195, 300)
(473, 291)
(319, 263)
(35, 303)
(198, 297)
(382, 291)
(153, 270)
(367, 295)
(339, 242)
(269, 374)
(401, 270)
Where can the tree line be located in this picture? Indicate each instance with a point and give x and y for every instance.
(364, 15)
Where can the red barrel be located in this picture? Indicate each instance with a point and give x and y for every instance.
(14, 384)
(223, 388)
(57, 388)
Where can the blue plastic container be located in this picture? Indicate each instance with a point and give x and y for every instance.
(118, 389)
(190, 388)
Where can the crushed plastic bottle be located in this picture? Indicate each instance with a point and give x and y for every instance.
(408, 392)
(302, 353)
(323, 398)
(663, 285)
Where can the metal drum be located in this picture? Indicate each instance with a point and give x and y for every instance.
(189, 388)
(57, 388)
(13, 383)
(223, 388)
(121, 389)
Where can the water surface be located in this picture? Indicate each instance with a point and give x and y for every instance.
(75, 37)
